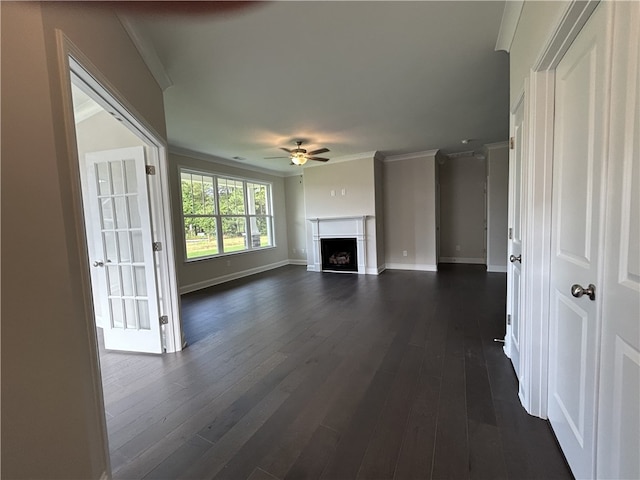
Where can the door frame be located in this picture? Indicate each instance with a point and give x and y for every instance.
(521, 99)
(73, 64)
(537, 172)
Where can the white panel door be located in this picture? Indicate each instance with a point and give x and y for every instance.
(579, 154)
(117, 213)
(619, 402)
(514, 269)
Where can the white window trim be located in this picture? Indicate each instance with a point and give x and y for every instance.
(218, 216)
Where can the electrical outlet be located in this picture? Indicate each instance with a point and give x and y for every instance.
(404, 253)
(457, 248)
(302, 250)
(344, 192)
(333, 193)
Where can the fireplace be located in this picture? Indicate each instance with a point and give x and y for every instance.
(339, 254)
(339, 228)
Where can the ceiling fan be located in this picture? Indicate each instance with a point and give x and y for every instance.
(299, 155)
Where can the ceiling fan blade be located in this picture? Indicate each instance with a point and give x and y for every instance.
(318, 159)
(316, 152)
(285, 149)
(269, 158)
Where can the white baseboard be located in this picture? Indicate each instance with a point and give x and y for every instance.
(475, 261)
(232, 276)
(297, 261)
(412, 266)
(366, 271)
(497, 268)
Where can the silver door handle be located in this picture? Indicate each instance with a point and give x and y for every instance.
(98, 263)
(514, 259)
(578, 291)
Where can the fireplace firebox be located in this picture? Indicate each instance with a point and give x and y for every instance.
(339, 254)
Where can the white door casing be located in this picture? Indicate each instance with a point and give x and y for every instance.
(514, 250)
(117, 214)
(578, 175)
(619, 399)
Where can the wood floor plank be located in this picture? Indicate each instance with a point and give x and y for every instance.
(252, 452)
(384, 446)
(313, 459)
(295, 374)
(450, 458)
(418, 443)
(486, 459)
(289, 444)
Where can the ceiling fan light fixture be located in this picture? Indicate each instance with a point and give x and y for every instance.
(298, 158)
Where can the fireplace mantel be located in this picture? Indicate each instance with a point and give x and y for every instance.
(339, 227)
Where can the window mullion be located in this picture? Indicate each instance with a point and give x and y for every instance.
(216, 201)
(247, 224)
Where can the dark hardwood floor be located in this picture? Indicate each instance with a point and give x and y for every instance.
(297, 375)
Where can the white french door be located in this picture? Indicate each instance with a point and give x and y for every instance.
(578, 169)
(514, 250)
(123, 268)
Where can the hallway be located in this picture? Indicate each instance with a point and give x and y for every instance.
(291, 374)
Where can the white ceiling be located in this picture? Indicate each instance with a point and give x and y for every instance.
(388, 76)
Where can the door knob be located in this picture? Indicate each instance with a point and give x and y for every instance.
(514, 259)
(98, 263)
(578, 291)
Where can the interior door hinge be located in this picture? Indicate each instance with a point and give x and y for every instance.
(164, 319)
(150, 169)
(157, 246)
(509, 319)
(510, 233)
(512, 143)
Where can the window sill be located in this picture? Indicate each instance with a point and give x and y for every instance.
(229, 254)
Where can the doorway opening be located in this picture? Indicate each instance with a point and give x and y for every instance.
(461, 208)
(122, 193)
(129, 246)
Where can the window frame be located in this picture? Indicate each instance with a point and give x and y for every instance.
(217, 216)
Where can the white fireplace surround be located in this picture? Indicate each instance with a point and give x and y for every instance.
(338, 227)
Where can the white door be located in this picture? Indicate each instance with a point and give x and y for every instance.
(514, 250)
(118, 224)
(619, 401)
(579, 155)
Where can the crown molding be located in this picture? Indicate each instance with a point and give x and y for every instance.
(411, 156)
(348, 158)
(185, 152)
(468, 153)
(147, 52)
(509, 24)
(496, 145)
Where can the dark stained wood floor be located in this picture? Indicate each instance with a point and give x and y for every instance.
(297, 375)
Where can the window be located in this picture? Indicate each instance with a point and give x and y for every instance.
(224, 215)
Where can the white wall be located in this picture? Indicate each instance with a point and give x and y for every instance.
(410, 213)
(296, 222)
(52, 420)
(497, 206)
(356, 179)
(199, 274)
(462, 210)
(534, 27)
